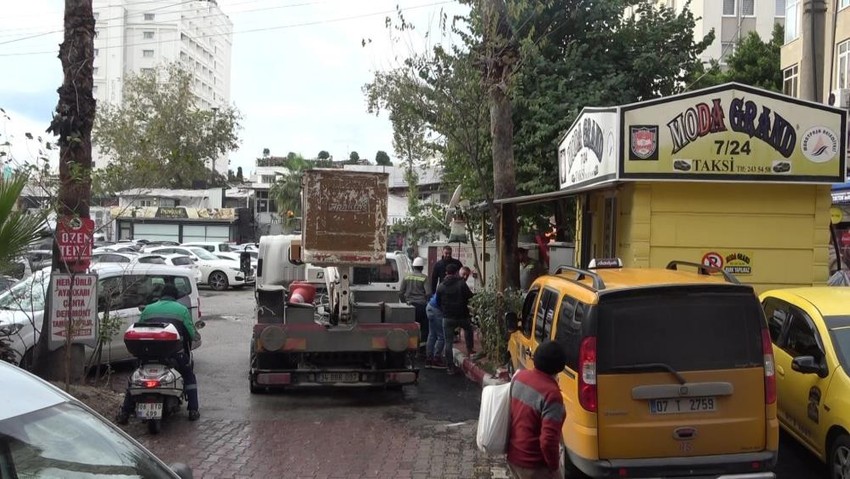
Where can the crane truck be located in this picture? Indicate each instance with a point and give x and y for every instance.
(336, 338)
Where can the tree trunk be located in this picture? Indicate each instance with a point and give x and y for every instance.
(500, 56)
(72, 123)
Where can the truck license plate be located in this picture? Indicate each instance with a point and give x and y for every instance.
(149, 410)
(339, 377)
(682, 405)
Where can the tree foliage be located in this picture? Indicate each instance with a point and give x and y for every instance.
(287, 190)
(18, 229)
(382, 158)
(323, 155)
(753, 62)
(158, 137)
(354, 157)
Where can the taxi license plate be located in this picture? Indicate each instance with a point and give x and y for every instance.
(339, 377)
(149, 410)
(682, 405)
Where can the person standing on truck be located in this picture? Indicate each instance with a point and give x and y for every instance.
(537, 416)
(169, 308)
(439, 271)
(415, 291)
(453, 297)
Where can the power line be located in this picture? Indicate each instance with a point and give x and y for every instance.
(254, 30)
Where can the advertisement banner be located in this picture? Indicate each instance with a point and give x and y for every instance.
(735, 262)
(588, 154)
(75, 304)
(733, 133)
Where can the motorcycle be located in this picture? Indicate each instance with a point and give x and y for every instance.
(156, 386)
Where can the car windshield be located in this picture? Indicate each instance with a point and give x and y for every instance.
(69, 442)
(203, 254)
(181, 260)
(841, 339)
(28, 295)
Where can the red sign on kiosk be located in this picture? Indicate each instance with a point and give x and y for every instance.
(75, 237)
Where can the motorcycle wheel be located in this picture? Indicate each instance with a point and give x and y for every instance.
(154, 426)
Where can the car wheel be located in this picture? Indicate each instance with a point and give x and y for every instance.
(154, 426)
(839, 457)
(218, 281)
(568, 470)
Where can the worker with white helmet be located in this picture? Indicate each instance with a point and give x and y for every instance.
(416, 291)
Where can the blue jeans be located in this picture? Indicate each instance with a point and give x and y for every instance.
(436, 338)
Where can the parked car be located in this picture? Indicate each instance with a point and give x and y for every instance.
(121, 289)
(185, 262)
(219, 274)
(222, 250)
(6, 282)
(157, 244)
(118, 248)
(39, 258)
(45, 432)
(127, 258)
(669, 373)
(810, 330)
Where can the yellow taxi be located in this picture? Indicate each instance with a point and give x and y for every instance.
(669, 372)
(810, 330)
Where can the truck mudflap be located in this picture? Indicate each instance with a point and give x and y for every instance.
(271, 378)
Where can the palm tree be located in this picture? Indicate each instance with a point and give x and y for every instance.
(287, 190)
(18, 229)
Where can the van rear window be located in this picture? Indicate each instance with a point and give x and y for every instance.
(689, 329)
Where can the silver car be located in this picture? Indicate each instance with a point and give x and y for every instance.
(45, 432)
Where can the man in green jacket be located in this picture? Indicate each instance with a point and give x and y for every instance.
(169, 307)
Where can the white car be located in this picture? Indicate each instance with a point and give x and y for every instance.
(215, 247)
(218, 273)
(98, 257)
(121, 289)
(185, 262)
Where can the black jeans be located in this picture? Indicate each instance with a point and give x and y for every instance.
(449, 325)
(181, 363)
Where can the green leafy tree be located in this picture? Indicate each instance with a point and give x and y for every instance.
(18, 229)
(239, 177)
(323, 155)
(158, 137)
(287, 190)
(753, 62)
(353, 157)
(382, 158)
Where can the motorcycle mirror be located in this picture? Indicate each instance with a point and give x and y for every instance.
(182, 470)
(200, 324)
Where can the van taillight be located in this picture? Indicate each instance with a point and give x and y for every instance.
(587, 374)
(769, 368)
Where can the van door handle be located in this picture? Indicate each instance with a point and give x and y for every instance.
(780, 371)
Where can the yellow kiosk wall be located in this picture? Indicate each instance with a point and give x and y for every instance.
(782, 228)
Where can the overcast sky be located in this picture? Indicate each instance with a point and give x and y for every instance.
(299, 87)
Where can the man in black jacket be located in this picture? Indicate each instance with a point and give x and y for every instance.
(453, 300)
(439, 271)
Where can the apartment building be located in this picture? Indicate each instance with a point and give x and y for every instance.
(816, 55)
(731, 21)
(138, 36)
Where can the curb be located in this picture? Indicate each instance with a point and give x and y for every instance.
(473, 372)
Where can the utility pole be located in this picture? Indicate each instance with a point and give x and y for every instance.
(72, 123)
(500, 55)
(812, 30)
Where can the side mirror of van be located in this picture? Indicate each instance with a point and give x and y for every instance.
(808, 365)
(511, 321)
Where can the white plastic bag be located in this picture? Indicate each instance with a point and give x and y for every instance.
(494, 419)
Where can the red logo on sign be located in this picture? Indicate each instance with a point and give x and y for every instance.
(644, 142)
(712, 259)
(75, 237)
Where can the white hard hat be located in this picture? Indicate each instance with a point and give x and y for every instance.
(418, 262)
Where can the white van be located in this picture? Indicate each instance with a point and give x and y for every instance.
(121, 289)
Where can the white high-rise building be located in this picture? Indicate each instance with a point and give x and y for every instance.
(134, 36)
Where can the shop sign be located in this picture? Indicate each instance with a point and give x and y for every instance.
(75, 304)
(74, 238)
(171, 212)
(735, 262)
(840, 197)
(733, 133)
(587, 154)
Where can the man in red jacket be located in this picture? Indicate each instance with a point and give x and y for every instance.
(537, 415)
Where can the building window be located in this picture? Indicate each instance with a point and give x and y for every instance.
(94, 70)
(792, 20)
(267, 179)
(146, 71)
(729, 8)
(168, 202)
(843, 3)
(748, 8)
(146, 202)
(790, 80)
(149, 17)
(780, 8)
(147, 35)
(147, 53)
(726, 50)
(843, 64)
(96, 15)
(96, 51)
(94, 90)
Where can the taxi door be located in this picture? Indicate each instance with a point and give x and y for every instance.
(520, 343)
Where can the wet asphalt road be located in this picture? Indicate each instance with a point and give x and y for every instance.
(432, 426)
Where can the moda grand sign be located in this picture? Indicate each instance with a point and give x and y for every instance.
(587, 152)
